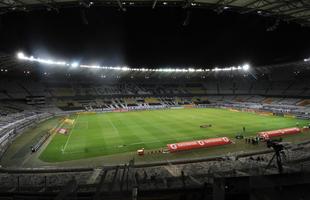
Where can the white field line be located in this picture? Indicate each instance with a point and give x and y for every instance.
(45, 144)
(146, 142)
(64, 149)
(114, 128)
(73, 152)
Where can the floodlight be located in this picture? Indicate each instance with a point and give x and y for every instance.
(20, 55)
(74, 64)
(246, 67)
(125, 69)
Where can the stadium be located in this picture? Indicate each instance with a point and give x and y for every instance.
(137, 100)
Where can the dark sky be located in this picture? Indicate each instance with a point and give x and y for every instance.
(145, 37)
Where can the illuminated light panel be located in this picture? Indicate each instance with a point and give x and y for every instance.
(21, 56)
(246, 67)
(74, 64)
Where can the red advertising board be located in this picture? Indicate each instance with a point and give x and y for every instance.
(182, 146)
(277, 133)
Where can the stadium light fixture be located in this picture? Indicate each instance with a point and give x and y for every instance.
(74, 64)
(20, 55)
(125, 69)
(246, 67)
(307, 59)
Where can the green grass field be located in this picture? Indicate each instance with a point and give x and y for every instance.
(112, 133)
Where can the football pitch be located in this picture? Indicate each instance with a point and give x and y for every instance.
(113, 133)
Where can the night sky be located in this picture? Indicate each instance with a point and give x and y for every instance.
(142, 37)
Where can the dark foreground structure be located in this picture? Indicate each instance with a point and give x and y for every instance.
(284, 186)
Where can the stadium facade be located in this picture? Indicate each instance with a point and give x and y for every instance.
(238, 132)
(31, 93)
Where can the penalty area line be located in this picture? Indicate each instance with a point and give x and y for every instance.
(64, 148)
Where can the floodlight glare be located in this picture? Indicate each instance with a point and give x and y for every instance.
(20, 55)
(246, 67)
(74, 64)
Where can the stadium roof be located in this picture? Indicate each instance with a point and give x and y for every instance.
(287, 10)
